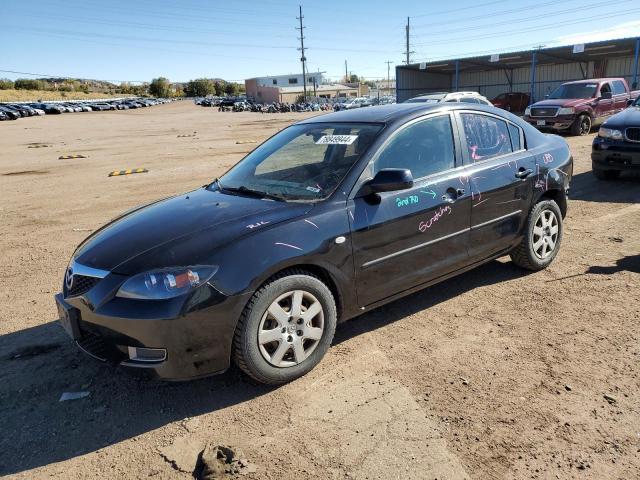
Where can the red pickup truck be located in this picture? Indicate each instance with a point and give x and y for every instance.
(577, 106)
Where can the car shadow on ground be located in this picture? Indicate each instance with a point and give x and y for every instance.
(38, 364)
(625, 189)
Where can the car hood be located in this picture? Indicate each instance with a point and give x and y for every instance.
(629, 117)
(151, 236)
(562, 102)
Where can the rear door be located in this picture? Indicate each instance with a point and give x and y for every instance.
(500, 172)
(620, 95)
(406, 238)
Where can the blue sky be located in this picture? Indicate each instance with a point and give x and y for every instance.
(136, 40)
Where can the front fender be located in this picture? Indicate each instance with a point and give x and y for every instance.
(311, 240)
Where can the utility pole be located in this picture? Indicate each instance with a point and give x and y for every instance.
(388, 62)
(408, 52)
(346, 73)
(303, 59)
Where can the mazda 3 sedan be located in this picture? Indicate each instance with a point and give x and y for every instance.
(329, 218)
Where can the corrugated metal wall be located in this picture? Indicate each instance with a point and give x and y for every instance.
(413, 82)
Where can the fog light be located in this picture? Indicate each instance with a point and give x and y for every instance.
(151, 355)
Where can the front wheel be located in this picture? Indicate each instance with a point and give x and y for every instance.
(581, 126)
(286, 328)
(542, 237)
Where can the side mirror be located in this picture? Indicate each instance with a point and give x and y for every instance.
(388, 180)
(546, 96)
(606, 96)
(630, 102)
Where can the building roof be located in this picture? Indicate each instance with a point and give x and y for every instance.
(319, 88)
(544, 56)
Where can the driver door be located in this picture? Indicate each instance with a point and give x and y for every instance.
(406, 238)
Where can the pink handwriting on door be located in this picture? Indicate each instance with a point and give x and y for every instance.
(424, 226)
(547, 158)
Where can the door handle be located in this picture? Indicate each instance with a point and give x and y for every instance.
(522, 173)
(451, 195)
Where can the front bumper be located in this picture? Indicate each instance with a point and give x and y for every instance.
(195, 331)
(557, 123)
(618, 155)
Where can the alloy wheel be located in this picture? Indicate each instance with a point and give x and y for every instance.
(545, 234)
(291, 328)
(585, 125)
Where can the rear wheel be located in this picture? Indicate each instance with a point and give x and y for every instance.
(542, 237)
(606, 174)
(582, 125)
(286, 328)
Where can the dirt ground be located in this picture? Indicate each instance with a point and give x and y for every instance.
(495, 374)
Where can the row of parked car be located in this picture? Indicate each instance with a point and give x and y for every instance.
(13, 111)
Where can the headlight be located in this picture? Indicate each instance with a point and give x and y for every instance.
(567, 111)
(527, 111)
(610, 133)
(166, 283)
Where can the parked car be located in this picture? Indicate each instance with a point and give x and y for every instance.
(23, 111)
(49, 108)
(331, 217)
(3, 116)
(576, 107)
(512, 101)
(10, 112)
(102, 106)
(466, 97)
(616, 148)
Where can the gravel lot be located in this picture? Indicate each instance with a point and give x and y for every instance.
(495, 374)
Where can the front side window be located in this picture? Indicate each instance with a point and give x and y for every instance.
(425, 148)
(303, 162)
(487, 137)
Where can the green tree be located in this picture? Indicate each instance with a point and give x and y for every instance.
(160, 87)
(6, 84)
(219, 88)
(200, 87)
(231, 88)
(354, 78)
(29, 84)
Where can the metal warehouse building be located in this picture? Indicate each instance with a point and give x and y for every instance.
(536, 72)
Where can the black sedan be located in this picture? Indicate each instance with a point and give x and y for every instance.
(10, 113)
(329, 218)
(617, 146)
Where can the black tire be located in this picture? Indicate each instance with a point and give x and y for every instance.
(606, 174)
(581, 126)
(247, 352)
(525, 255)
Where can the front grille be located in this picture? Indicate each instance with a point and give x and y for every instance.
(544, 111)
(81, 284)
(633, 134)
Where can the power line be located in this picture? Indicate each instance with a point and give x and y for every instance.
(532, 29)
(522, 20)
(444, 12)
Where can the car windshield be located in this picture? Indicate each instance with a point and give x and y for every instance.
(574, 90)
(303, 162)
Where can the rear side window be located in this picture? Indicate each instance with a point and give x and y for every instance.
(425, 148)
(618, 87)
(486, 136)
(516, 142)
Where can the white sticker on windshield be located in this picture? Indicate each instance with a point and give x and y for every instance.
(336, 140)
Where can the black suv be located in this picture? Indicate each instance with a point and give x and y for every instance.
(616, 148)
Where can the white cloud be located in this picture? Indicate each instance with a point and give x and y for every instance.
(622, 30)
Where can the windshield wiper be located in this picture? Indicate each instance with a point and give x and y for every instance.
(253, 192)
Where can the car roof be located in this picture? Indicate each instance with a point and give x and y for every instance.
(596, 80)
(395, 111)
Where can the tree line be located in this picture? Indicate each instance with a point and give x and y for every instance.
(158, 87)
